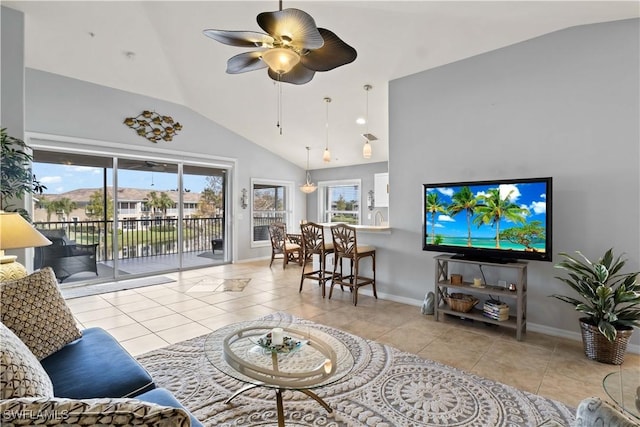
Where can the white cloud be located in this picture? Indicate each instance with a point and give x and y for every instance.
(543, 195)
(439, 226)
(86, 169)
(50, 179)
(505, 189)
(445, 218)
(446, 191)
(538, 207)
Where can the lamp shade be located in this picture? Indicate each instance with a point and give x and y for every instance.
(281, 60)
(308, 188)
(16, 233)
(366, 150)
(326, 157)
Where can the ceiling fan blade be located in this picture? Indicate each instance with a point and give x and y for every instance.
(292, 25)
(240, 38)
(244, 62)
(333, 54)
(298, 75)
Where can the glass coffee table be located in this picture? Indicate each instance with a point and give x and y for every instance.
(624, 390)
(279, 355)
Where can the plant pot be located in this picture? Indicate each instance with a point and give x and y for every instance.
(598, 347)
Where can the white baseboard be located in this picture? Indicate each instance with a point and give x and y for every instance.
(571, 335)
(533, 327)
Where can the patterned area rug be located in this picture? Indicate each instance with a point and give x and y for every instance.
(387, 387)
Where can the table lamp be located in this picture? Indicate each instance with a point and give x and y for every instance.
(16, 233)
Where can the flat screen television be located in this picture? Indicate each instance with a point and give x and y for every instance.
(496, 221)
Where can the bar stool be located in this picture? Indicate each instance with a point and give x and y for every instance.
(345, 245)
(313, 244)
(284, 244)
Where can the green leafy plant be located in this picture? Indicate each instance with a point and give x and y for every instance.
(610, 299)
(16, 178)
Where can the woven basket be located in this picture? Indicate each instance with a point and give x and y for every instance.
(598, 347)
(461, 302)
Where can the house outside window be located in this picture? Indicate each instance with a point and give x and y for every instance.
(339, 201)
(270, 202)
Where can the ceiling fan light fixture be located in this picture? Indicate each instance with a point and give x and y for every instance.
(281, 60)
(296, 48)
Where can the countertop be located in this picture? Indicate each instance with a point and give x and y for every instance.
(363, 227)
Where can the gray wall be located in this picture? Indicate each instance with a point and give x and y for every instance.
(63, 106)
(12, 72)
(564, 105)
(12, 87)
(363, 172)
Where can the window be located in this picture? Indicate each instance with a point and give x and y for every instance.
(270, 202)
(339, 201)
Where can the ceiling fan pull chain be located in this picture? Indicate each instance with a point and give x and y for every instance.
(279, 123)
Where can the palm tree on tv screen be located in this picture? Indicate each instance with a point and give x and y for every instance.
(492, 209)
(464, 200)
(434, 205)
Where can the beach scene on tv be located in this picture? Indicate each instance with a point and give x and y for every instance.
(505, 216)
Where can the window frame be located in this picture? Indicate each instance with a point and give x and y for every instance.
(324, 186)
(287, 208)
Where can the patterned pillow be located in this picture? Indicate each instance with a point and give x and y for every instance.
(90, 412)
(594, 411)
(21, 375)
(34, 309)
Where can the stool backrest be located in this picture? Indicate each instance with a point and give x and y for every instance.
(312, 237)
(344, 239)
(277, 234)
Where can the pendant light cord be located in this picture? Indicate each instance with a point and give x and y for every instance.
(326, 157)
(367, 88)
(308, 174)
(326, 146)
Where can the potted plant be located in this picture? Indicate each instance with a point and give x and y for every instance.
(16, 178)
(609, 300)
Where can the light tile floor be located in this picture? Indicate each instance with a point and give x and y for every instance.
(147, 318)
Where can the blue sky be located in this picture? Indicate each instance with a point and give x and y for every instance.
(63, 178)
(529, 195)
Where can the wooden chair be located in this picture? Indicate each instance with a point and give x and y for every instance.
(282, 244)
(313, 243)
(345, 246)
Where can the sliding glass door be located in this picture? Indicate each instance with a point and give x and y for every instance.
(144, 217)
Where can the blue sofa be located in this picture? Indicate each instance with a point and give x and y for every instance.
(96, 366)
(51, 372)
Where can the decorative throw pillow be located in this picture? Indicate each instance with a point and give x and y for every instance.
(34, 309)
(21, 375)
(92, 412)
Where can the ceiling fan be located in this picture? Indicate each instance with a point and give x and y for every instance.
(293, 49)
(144, 165)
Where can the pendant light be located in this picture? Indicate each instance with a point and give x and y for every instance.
(308, 187)
(366, 149)
(326, 157)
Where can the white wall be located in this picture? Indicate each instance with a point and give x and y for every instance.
(564, 105)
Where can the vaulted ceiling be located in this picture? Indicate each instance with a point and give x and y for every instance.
(158, 49)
